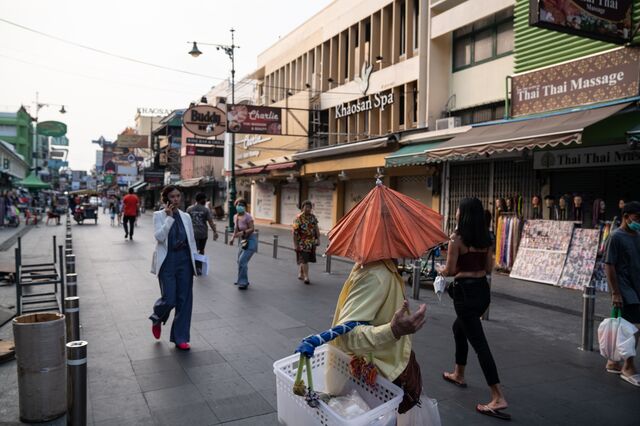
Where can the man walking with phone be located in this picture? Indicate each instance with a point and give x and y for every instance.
(200, 216)
(130, 203)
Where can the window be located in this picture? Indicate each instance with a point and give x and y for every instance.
(401, 106)
(415, 104)
(480, 114)
(403, 28)
(8, 130)
(367, 31)
(484, 40)
(416, 23)
(346, 55)
(366, 123)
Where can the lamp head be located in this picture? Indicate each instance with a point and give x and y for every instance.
(195, 52)
(62, 110)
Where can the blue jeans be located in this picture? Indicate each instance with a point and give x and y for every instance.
(176, 287)
(243, 260)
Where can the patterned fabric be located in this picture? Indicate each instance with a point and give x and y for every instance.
(305, 228)
(178, 234)
(309, 344)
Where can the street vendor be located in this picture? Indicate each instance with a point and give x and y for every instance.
(384, 226)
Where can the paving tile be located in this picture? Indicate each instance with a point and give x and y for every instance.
(191, 414)
(234, 408)
(196, 359)
(173, 397)
(203, 316)
(163, 380)
(155, 365)
(218, 371)
(120, 421)
(252, 363)
(221, 389)
(116, 385)
(265, 420)
(261, 380)
(132, 406)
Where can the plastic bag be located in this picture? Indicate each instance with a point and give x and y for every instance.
(426, 414)
(350, 405)
(616, 338)
(439, 285)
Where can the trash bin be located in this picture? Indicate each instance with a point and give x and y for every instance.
(42, 376)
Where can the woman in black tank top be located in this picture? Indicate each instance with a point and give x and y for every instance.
(469, 260)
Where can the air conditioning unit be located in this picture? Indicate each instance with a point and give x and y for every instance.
(448, 123)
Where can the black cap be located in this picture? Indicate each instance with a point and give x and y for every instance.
(631, 208)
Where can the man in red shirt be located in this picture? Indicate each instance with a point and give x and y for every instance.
(130, 203)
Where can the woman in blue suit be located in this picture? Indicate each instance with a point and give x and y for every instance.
(174, 265)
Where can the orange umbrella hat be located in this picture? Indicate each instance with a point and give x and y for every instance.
(386, 225)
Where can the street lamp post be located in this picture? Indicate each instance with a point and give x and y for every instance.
(34, 148)
(230, 51)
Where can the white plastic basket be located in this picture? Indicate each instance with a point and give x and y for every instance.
(331, 364)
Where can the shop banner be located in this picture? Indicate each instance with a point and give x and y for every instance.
(252, 119)
(608, 20)
(608, 76)
(205, 151)
(154, 177)
(132, 141)
(581, 259)
(597, 156)
(198, 141)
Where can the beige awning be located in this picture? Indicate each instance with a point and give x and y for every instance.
(516, 135)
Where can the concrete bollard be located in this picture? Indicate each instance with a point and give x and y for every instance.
(72, 284)
(72, 318)
(327, 265)
(70, 264)
(275, 246)
(415, 285)
(77, 383)
(588, 311)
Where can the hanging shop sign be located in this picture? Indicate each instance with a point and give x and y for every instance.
(598, 78)
(608, 20)
(599, 156)
(376, 101)
(205, 151)
(52, 128)
(132, 141)
(198, 141)
(56, 154)
(154, 176)
(254, 119)
(205, 120)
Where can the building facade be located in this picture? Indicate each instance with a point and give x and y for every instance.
(17, 129)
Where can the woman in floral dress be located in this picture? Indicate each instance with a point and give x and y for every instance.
(306, 237)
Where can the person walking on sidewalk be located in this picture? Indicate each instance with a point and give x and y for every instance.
(306, 237)
(201, 216)
(622, 266)
(469, 260)
(174, 265)
(130, 210)
(244, 229)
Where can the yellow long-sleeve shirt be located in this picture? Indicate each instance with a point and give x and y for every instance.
(373, 293)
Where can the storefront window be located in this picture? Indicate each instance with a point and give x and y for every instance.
(416, 23)
(504, 38)
(403, 28)
(483, 45)
(462, 52)
(401, 108)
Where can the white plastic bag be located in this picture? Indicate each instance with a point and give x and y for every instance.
(616, 339)
(439, 285)
(425, 414)
(350, 405)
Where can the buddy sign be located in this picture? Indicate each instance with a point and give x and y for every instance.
(205, 120)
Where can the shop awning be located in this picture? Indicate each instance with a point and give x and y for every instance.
(189, 183)
(250, 171)
(519, 134)
(281, 166)
(411, 155)
(345, 148)
(32, 182)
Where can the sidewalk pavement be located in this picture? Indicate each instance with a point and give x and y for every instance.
(227, 378)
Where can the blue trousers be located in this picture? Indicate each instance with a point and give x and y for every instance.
(244, 256)
(176, 287)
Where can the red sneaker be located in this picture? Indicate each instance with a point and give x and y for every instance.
(183, 346)
(156, 329)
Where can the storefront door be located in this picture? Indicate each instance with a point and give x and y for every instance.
(265, 201)
(321, 196)
(415, 187)
(289, 201)
(355, 190)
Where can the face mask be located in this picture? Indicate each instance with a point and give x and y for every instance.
(240, 209)
(634, 226)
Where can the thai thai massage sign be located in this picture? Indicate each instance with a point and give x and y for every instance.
(604, 77)
(608, 20)
(254, 119)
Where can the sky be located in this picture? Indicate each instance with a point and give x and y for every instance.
(101, 93)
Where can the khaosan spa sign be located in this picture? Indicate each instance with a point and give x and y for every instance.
(378, 100)
(254, 119)
(205, 120)
(608, 76)
(608, 20)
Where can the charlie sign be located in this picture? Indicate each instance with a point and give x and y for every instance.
(608, 20)
(611, 75)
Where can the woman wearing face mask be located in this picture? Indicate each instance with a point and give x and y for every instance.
(244, 229)
(174, 265)
(469, 260)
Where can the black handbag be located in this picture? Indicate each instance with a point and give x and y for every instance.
(244, 244)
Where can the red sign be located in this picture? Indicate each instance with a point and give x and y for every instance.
(254, 119)
(206, 151)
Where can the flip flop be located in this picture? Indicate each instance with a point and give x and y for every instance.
(450, 380)
(614, 371)
(498, 414)
(634, 380)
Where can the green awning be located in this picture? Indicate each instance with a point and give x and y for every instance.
(411, 155)
(32, 182)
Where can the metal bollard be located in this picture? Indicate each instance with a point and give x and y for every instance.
(417, 265)
(72, 284)
(72, 317)
(77, 383)
(327, 266)
(275, 246)
(226, 236)
(257, 239)
(588, 310)
(68, 252)
(485, 315)
(68, 244)
(70, 263)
